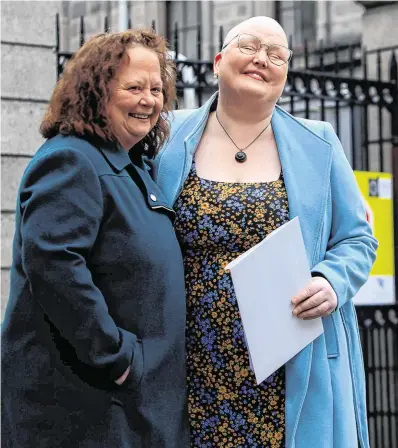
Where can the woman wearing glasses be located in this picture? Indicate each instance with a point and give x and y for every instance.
(235, 170)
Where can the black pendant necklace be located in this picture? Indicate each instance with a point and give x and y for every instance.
(241, 156)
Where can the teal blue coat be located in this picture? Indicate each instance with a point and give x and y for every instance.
(325, 382)
(97, 285)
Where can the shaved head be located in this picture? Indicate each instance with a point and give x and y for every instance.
(260, 22)
(249, 72)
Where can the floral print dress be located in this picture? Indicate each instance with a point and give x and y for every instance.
(216, 222)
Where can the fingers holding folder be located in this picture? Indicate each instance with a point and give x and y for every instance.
(317, 299)
(266, 278)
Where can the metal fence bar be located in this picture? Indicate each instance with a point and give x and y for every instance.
(307, 87)
(365, 134)
(337, 103)
(199, 71)
(380, 116)
(382, 49)
(322, 82)
(378, 326)
(82, 32)
(293, 85)
(393, 69)
(57, 44)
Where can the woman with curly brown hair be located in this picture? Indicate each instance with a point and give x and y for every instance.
(93, 335)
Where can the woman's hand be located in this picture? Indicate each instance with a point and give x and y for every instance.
(121, 380)
(317, 299)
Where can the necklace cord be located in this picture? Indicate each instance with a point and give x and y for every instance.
(236, 146)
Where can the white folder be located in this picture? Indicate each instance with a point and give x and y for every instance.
(266, 278)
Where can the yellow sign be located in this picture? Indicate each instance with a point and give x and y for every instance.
(376, 189)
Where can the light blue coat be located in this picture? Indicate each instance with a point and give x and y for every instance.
(325, 382)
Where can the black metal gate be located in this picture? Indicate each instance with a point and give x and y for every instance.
(324, 84)
(378, 327)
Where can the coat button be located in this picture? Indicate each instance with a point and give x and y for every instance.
(153, 197)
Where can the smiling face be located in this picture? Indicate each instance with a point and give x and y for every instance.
(253, 75)
(136, 97)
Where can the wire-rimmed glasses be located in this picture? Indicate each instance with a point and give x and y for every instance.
(249, 44)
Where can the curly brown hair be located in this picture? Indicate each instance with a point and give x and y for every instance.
(80, 98)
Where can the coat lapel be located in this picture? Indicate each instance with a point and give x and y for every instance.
(306, 162)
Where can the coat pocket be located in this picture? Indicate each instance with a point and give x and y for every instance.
(131, 385)
(137, 366)
(330, 333)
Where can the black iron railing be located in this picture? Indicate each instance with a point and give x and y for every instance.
(378, 326)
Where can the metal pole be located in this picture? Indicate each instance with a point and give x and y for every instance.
(57, 39)
(123, 19)
(394, 154)
(395, 188)
(82, 31)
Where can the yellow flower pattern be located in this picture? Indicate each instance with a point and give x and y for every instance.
(216, 222)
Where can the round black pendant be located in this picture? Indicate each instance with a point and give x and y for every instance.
(240, 157)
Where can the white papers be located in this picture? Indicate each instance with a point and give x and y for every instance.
(266, 278)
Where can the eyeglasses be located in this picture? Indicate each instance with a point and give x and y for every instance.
(248, 44)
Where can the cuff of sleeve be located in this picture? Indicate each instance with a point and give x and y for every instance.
(319, 274)
(128, 342)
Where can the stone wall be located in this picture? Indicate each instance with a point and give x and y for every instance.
(28, 77)
(346, 21)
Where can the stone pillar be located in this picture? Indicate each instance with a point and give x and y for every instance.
(157, 11)
(322, 22)
(261, 8)
(143, 13)
(209, 47)
(346, 23)
(29, 75)
(379, 29)
(139, 14)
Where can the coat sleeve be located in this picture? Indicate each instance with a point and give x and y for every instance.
(61, 202)
(351, 249)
